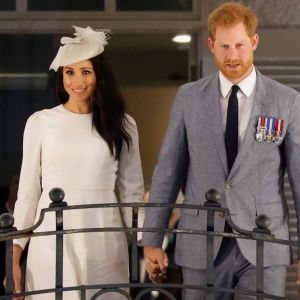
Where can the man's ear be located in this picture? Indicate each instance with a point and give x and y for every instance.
(255, 41)
(210, 42)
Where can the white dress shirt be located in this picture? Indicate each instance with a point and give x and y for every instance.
(245, 98)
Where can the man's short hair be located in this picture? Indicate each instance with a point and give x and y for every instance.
(232, 13)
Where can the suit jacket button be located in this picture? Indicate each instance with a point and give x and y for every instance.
(227, 185)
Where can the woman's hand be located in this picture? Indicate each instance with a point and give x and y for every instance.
(17, 252)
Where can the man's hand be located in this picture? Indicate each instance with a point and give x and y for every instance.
(156, 263)
(298, 272)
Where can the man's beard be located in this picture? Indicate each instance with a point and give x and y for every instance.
(244, 67)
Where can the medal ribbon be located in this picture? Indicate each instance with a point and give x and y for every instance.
(262, 122)
(279, 127)
(270, 125)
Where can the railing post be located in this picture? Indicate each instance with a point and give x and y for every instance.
(6, 225)
(57, 195)
(262, 222)
(135, 270)
(212, 197)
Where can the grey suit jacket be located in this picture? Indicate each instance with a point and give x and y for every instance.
(194, 147)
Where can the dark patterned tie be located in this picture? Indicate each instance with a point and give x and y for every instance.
(232, 128)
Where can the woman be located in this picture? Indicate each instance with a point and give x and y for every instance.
(86, 146)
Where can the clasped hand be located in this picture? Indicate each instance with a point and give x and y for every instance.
(156, 263)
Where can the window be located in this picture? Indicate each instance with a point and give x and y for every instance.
(7, 5)
(65, 5)
(154, 5)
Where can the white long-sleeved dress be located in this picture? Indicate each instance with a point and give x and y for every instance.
(61, 149)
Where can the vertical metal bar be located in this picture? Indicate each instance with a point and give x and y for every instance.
(6, 226)
(57, 195)
(212, 196)
(59, 255)
(210, 256)
(135, 272)
(259, 269)
(262, 222)
(134, 247)
(83, 294)
(8, 269)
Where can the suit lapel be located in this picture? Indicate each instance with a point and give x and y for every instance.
(214, 119)
(260, 105)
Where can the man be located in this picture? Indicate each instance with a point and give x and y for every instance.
(217, 139)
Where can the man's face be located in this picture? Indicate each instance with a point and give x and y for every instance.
(233, 51)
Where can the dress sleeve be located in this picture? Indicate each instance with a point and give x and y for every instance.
(130, 181)
(29, 191)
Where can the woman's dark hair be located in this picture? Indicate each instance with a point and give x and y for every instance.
(108, 105)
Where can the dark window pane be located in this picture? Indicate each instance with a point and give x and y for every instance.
(66, 5)
(26, 53)
(154, 5)
(7, 5)
(25, 87)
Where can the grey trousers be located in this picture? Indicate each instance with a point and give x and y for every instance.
(231, 271)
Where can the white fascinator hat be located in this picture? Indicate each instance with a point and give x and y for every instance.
(86, 44)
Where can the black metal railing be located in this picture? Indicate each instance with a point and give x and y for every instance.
(138, 289)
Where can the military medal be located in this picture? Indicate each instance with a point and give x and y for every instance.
(278, 129)
(270, 129)
(261, 129)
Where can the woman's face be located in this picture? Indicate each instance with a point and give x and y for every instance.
(79, 81)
